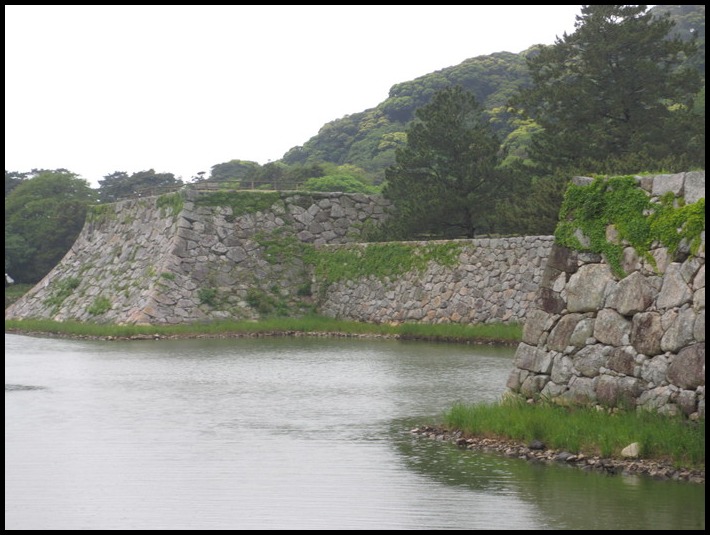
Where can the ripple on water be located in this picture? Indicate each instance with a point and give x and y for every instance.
(15, 388)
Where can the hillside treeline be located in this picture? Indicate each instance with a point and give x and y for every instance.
(484, 147)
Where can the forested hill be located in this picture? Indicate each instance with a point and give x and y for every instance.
(368, 139)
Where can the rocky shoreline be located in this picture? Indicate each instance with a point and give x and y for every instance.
(270, 334)
(537, 452)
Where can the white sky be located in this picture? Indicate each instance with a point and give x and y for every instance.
(98, 89)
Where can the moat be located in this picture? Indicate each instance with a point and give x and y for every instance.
(284, 433)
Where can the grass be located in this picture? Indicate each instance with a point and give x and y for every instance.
(489, 333)
(456, 332)
(585, 430)
(379, 260)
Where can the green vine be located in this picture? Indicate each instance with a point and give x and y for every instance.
(379, 260)
(281, 246)
(588, 211)
(241, 202)
(97, 213)
(61, 290)
(101, 305)
(170, 204)
(672, 225)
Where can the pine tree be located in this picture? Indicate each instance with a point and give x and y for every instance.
(445, 181)
(611, 94)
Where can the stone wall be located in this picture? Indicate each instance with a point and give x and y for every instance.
(632, 340)
(493, 280)
(591, 335)
(197, 256)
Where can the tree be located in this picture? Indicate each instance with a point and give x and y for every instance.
(119, 184)
(534, 207)
(339, 182)
(43, 217)
(17, 252)
(445, 182)
(13, 179)
(239, 171)
(115, 186)
(271, 175)
(612, 93)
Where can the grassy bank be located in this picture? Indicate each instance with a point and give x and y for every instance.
(585, 430)
(489, 333)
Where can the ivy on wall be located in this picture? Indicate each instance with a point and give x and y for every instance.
(638, 221)
(97, 213)
(241, 202)
(379, 260)
(170, 203)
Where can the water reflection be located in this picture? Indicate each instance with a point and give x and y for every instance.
(566, 497)
(279, 434)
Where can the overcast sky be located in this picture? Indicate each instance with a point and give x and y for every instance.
(98, 89)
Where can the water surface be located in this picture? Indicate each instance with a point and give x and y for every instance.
(283, 433)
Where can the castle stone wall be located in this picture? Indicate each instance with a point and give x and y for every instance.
(636, 340)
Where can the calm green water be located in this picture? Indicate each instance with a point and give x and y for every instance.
(283, 433)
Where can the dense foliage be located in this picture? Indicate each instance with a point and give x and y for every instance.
(445, 182)
(620, 95)
(369, 139)
(13, 179)
(120, 184)
(614, 94)
(43, 217)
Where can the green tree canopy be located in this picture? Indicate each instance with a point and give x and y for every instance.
(43, 217)
(345, 178)
(13, 179)
(613, 94)
(120, 184)
(369, 139)
(240, 171)
(445, 182)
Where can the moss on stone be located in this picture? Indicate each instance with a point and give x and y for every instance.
(241, 202)
(60, 291)
(379, 260)
(170, 204)
(100, 306)
(281, 246)
(612, 213)
(97, 213)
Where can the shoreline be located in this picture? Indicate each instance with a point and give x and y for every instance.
(536, 453)
(267, 334)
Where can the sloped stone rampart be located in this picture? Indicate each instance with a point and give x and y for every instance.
(170, 260)
(632, 340)
(147, 261)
